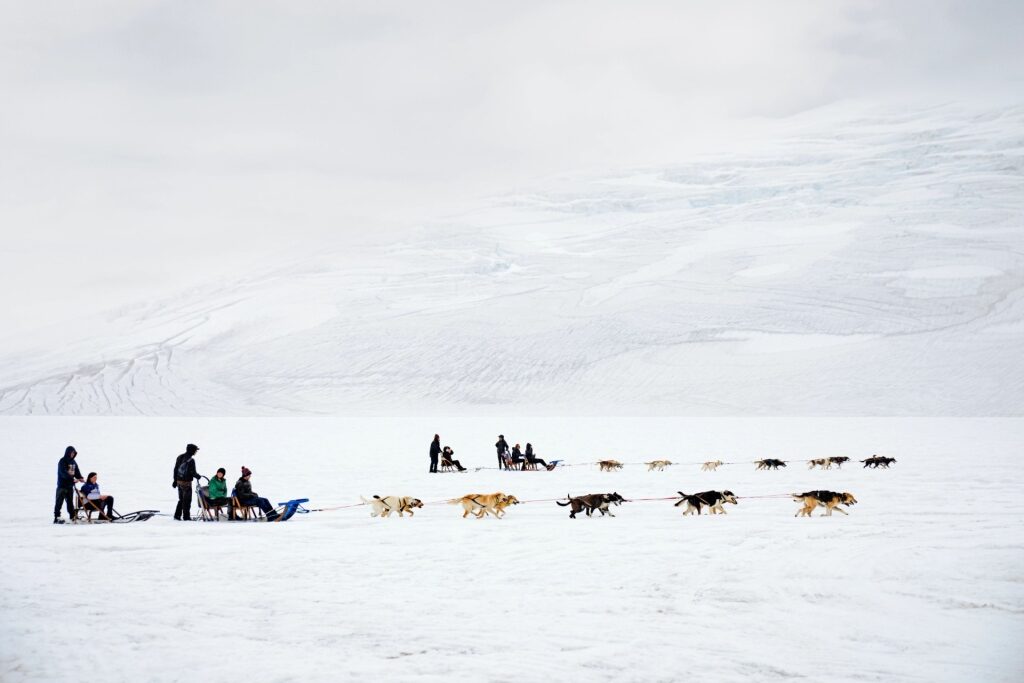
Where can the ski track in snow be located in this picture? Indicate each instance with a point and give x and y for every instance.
(921, 582)
(875, 268)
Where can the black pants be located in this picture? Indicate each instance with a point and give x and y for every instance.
(457, 465)
(261, 503)
(537, 461)
(226, 502)
(105, 506)
(184, 509)
(433, 463)
(64, 495)
(501, 461)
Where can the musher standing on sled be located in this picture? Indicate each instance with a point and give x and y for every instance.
(502, 447)
(67, 475)
(184, 473)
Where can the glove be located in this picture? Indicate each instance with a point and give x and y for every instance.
(174, 484)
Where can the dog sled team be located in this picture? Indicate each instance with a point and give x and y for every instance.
(242, 502)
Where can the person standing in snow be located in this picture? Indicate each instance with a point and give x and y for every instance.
(435, 451)
(67, 475)
(247, 497)
(184, 473)
(502, 447)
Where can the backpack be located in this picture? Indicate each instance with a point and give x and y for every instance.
(183, 469)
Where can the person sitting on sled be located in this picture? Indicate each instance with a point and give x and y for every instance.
(218, 492)
(533, 460)
(447, 454)
(91, 490)
(246, 496)
(517, 457)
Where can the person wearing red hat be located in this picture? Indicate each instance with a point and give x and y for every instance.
(247, 497)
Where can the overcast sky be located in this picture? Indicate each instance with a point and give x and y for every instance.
(146, 144)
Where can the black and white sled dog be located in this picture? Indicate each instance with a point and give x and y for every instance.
(713, 500)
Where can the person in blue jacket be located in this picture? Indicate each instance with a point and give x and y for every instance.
(91, 490)
(67, 475)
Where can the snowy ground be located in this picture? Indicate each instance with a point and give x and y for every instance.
(867, 263)
(921, 582)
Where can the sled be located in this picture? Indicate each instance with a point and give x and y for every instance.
(290, 508)
(87, 507)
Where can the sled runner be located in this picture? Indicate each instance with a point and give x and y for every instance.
(86, 508)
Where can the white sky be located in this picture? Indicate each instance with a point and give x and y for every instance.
(146, 145)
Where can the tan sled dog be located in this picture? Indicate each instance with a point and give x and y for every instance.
(482, 504)
(383, 506)
(659, 465)
(830, 500)
(609, 465)
(711, 465)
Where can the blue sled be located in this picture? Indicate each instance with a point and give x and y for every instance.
(291, 507)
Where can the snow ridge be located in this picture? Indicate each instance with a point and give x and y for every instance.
(875, 268)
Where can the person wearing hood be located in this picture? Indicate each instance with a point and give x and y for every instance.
(184, 473)
(247, 497)
(67, 474)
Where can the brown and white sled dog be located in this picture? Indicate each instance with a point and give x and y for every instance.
(383, 506)
(712, 499)
(823, 463)
(609, 465)
(659, 465)
(830, 500)
(711, 465)
(482, 504)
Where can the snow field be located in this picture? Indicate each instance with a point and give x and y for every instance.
(922, 581)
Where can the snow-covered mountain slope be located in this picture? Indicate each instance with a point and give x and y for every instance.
(872, 265)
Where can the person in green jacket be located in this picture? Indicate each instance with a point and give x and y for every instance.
(219, 492)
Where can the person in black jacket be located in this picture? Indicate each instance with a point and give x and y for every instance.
(502, 447)
(447, 454)
(247, 497)
(435, 451)
(517, 457)
(184, 473)
(67, 474)
(533, 460)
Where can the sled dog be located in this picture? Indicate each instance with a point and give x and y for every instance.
(826, 499)
(591, 502)
(659, 465)
(770, 464)
(609, 465)
(482, 504)
(383, 506)
(712, 499)
(711, 465)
